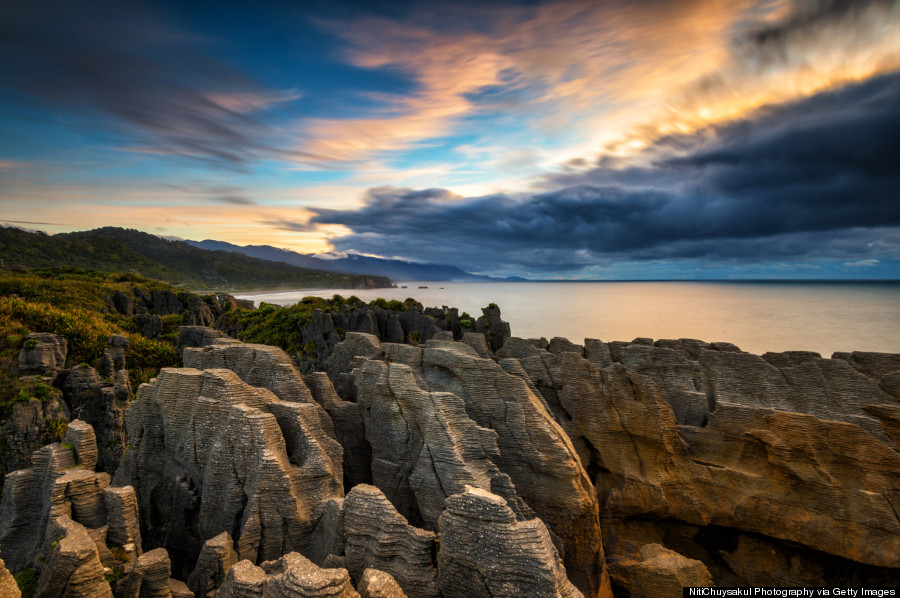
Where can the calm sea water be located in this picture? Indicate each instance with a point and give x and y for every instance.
(756, 316)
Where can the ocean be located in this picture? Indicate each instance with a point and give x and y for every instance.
(757, 316)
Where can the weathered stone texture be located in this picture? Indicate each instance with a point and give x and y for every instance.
(290, 576)
(486, 553)
(42, 353)
(56, 485)
(378, 537)
(148, 578)
(419, 418)
(211, 453)
(216, 558)
(378, 584)
(73, 569)
(752, 464)
(663, 573)
(8, 587)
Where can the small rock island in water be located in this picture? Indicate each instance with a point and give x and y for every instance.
(402, 451)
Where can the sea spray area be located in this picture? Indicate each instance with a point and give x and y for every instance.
(358, 445)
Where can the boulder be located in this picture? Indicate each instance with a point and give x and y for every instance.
(148, 577)
(378, 584)
(42, 353)
(662, 573)
(378, 537)
(216, 557)
(73, 568)
(485, 552)
(291, 576)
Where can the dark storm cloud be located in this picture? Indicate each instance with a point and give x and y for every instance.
(809, 17)
(131, 73)
(817, 179)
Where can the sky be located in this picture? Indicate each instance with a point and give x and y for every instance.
(547, 139)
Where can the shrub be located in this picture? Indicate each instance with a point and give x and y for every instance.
(55, 429)
(27, 580)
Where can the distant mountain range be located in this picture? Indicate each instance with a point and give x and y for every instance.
(124, 250)
(357, 264)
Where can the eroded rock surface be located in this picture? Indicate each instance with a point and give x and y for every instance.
(750, 463)
(73, 569)
(378, 584)
(486, 552)
(211, 454)
(663, 573)
(58, 484)
(43, 353)
(216, 558)
(448, 382)
(378, 537)
(8, 586)
(290, 576)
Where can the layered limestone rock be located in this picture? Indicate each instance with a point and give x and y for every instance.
(73, 568)
(757, 466)
(216, 558)
(378, 537)
(199, 336)
(663, 573)
(123, 520)
(424, 445)
(29, 424)
(42, 353)
(211, 454)
(61, 483)
(348, 428)
(486, 552)
(378, 584)
(262, 366)
(102, 405)
(884, 368)
(149, 576)
(8, 586)
(532, 450)
(291, 576)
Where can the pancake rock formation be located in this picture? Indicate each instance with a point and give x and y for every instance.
(211, 454)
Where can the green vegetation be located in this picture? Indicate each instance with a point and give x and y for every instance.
(283, 326)
(27, 580)
(55, 430)
(116, 574)
(74, 304)
(136, 253)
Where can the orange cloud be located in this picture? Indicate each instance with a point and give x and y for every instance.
(599, 74)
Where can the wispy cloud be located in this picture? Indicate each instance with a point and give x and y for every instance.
(125, 70)
(869, 263)
(599, 77)
(812, 180)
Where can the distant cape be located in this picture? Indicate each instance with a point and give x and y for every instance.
(356, 264)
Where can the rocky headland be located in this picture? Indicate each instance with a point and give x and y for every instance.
(414, 452)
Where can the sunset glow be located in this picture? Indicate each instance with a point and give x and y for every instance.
(549, 139)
